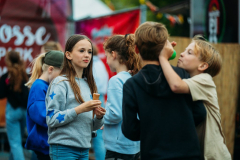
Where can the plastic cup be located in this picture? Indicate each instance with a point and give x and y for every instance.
(173, 55)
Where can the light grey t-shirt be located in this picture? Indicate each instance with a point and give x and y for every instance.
(65, 127)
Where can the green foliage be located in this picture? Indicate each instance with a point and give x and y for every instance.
(174, 30)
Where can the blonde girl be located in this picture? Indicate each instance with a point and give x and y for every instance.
(45, 68)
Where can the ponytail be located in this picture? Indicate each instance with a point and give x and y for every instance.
(124, 46)
(37, 71)
(16, 70)
(133, 61)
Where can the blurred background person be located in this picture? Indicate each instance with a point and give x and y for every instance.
(101, 78)
(13, 88)
(51, 45)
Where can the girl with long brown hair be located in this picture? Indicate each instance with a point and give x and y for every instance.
(12, 88)
(69, 103)
(121, 58)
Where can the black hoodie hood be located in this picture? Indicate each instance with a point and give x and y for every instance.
(152, 83)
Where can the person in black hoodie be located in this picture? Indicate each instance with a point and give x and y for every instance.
(163, 121)
(13, 88)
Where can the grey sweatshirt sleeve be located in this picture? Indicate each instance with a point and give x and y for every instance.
(97, 123)
(57, 114)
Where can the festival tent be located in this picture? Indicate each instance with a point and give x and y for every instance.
(89, 9)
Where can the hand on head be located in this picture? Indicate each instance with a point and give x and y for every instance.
(167, 50)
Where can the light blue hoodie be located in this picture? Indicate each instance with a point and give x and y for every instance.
(112, 134)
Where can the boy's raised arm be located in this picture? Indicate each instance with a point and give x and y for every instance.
(176, 84)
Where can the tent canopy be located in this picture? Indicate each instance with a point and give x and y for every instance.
(89, 9)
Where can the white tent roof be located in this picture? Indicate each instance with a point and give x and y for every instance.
(89, 8)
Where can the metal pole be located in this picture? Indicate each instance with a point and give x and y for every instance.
(70, 22)
(191, 21)
(143, 14)
(239, 21)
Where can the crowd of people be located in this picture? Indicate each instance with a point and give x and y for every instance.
(153, 111)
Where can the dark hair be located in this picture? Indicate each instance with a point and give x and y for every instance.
(150, 38)
(124, 46)
(95, 50)
(16, 70)
(69, 70)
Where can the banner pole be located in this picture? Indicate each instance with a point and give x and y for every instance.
(191, 22)
(143, 13)
(70, 23)
(238, 21)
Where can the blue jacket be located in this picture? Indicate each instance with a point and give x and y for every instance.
(36, 118)
(112, 134)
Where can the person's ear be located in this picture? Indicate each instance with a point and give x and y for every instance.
(203, 66)
(68, 55)
(136, 49)
(50, 69)
(114, 54)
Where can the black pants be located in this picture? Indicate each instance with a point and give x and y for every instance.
(110, 155)
(41, 156)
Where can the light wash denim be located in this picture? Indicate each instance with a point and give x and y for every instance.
(61, 152)
(98, 143)
(15, 124)
(98, 146)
